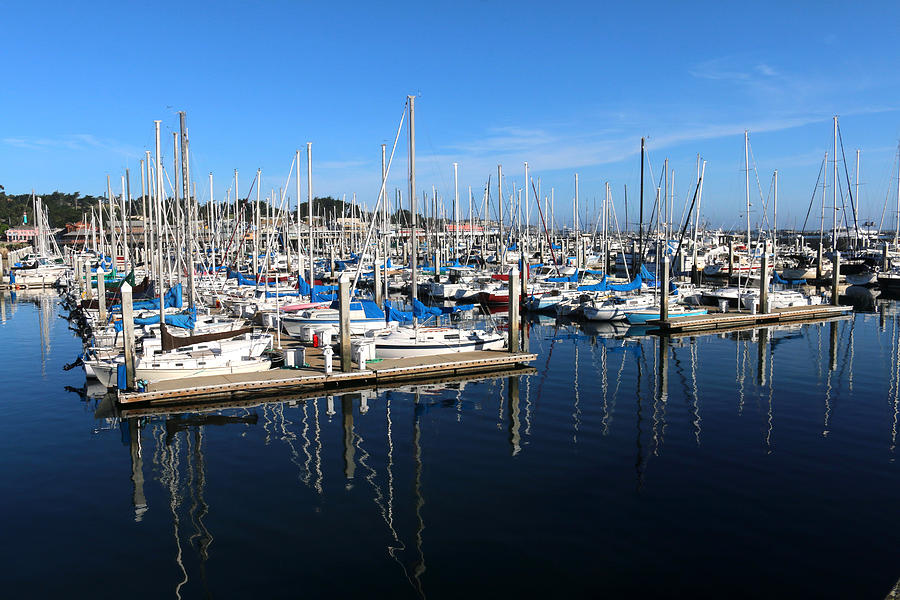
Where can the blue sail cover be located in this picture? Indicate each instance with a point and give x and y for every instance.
(778, 279)
(597, 287)
(369, 308)
(421, 311)
(184, 321)
(171, 299)
(240, 277)
(320, 293)
(570, 279)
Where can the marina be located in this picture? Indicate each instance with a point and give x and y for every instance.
(423, 301)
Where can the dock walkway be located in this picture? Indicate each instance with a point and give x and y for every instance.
(275, 380)
(729, 320)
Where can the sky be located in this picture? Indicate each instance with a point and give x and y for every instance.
(568, 87)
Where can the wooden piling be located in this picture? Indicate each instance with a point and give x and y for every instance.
(524, 294)
(764, 281)
(128, 330)
(513, 310)
(664, 292)
(88, 287)
(101, 293)
(819, 261)
(376, 284)
(344, 315)
(731, 258)
(835, 276)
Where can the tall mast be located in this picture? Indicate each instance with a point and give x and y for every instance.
(824, 187)
(638, 260)
(413, 236)
(897, 232)
(775, 220)
(124, 224)
(188, 205)
(501, 250)
(159, 227)
(309, 211)
(747, 185)
(524, 250)
(575, 225)
(856, 205)
(455, 210)
(834, 181)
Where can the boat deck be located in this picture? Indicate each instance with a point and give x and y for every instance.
(315, 378)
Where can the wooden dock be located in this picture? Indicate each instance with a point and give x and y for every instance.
(388, 371)
(739, 320)
(205, 405)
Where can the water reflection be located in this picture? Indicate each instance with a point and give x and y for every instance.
(605, 398)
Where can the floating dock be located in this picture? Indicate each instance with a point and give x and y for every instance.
(314, 378)
(155, 409)
(715, 321)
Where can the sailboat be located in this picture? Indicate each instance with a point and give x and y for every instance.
(404, 341)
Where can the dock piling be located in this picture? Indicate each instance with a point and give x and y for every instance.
(101, 293)
(819, 260)
(835, 277)
(664, 291)
(376, 284)
(513, 310)
(764, 281)
(344, 316)
(884, 256)
(524, 294)
(88, 286)
(128, 331)
(730, 258)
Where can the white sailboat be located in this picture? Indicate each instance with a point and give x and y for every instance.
(405, 341)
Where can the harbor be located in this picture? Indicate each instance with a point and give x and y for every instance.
(422, 301)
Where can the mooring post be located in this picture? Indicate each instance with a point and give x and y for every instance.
(884, 256)
(376, 284)
(664, 291)
(128, 330)
(835, 276)
(344, 312)
(101, 294)
(731, 258)
(1, 267)
(819, 261)
(764, 281)
(524, 294)
(514, 310)
(331, 264)
(88, 286)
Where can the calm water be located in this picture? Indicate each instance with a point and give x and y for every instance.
(758, 464)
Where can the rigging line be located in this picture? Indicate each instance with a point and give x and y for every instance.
(849, 190)
(813, 197)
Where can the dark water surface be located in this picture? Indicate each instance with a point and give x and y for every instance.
(742, 465)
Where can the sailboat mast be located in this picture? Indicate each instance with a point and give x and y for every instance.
(897, 232)
(413, 237)
(160, 229)
(856, 205)
(455, 211)
(775, 219)
(309, 211)
(500, 249)
(834, 180)
(747, 183)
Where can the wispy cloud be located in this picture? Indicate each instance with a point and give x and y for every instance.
(74, 142)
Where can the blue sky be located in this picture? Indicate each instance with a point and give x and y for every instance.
(569, 87)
